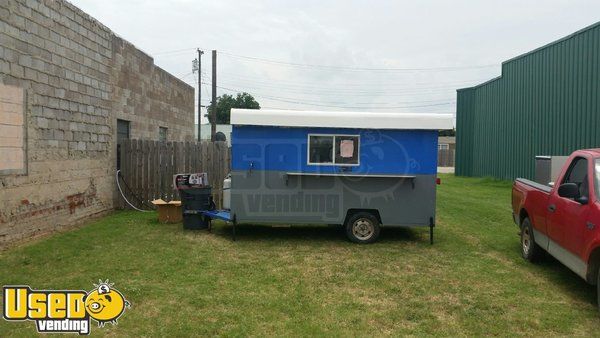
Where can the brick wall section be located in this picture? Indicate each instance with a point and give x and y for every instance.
(150, 97)
(78, 78)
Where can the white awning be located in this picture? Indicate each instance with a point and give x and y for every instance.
(340, 119)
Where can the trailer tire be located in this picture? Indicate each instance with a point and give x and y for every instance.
(363, 228)
(529, 248)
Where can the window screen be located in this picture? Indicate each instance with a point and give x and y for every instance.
(320, 149)
(333, 149)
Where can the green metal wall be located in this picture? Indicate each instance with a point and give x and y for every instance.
(547, 102)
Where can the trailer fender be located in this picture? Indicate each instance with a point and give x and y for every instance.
(374, 212)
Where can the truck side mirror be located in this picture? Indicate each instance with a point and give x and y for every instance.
(568, 190)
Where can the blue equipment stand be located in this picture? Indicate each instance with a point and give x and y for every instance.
(224, 215)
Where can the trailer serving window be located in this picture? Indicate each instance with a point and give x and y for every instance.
(333, 149)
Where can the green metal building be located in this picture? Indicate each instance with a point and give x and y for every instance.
(546, 102)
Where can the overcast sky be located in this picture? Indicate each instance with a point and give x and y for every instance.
(389, 56)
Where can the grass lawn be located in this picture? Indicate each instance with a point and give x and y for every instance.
(312, 281)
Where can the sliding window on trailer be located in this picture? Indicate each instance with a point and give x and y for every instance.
(331, 149)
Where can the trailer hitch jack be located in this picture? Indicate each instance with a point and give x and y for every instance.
(431, 226)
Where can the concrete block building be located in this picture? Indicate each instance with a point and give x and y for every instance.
(69, 89)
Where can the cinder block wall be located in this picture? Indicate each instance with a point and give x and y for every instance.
(150, 97)
(77, 77)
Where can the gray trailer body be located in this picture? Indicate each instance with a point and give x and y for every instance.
(280, 197)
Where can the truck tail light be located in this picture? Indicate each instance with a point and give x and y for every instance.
(438, 181)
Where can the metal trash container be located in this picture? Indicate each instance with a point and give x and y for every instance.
(547, 168)
(193, 202)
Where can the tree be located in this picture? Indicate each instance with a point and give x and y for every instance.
(449, 132)
(225, 102)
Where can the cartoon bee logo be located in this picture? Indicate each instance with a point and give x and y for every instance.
(105, 304)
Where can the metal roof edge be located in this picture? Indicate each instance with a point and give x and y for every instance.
(340, 119)
(481, 84)
(550, 44)
(565, 38)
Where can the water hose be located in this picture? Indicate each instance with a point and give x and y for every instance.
(123, 195)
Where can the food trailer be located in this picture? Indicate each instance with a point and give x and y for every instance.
(360, 170)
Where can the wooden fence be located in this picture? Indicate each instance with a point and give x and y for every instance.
(147, 168)
(445, 157)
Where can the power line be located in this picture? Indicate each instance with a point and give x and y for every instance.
(206, 90)
(173, 51)
(185, 75)
(310, 89)
(395, 93)
(342, 92)
(320, 93)
(330, 67)
(355, 103)
(287, 100)
(382, 87)
(345, 68)
(362, 83)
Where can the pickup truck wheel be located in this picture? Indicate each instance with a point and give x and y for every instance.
(598, 288)
(363, 228)
(529, 249)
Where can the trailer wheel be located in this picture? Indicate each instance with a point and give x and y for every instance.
(529, 249)
(363, 228)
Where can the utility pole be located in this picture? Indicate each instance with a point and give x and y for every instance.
(213, 111)
(200, 95)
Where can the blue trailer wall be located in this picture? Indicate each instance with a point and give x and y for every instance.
(394, 152)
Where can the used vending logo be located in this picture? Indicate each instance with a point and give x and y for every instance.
(64, 311)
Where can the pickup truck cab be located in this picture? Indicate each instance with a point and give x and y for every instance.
(563, 218)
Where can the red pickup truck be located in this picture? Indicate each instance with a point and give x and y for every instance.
(563, 218)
